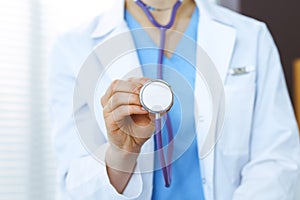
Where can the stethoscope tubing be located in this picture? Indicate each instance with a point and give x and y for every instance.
(166, 166)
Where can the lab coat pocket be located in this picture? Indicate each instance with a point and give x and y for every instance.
(235, 140)
(238, 117)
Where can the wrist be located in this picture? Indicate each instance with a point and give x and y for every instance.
(120, 160)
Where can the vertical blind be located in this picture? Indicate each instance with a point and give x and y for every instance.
(27, 29)
(26, 167)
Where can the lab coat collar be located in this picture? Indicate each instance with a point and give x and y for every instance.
(216, 35)
(113, 14)
(207, 10)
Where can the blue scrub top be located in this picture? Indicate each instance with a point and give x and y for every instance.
(180, 74)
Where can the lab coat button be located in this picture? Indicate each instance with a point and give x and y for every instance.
(203, 181)
(200, 118)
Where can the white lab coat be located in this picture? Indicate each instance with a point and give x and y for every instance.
(257, 156)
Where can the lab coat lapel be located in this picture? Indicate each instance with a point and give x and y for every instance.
(112, 39)
(118, 57)
(217, 38)
(117, 50)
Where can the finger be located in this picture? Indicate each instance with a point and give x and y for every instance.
(121, 86)
(121, 98)
(139, 80)
(152, 117)
(126, 110)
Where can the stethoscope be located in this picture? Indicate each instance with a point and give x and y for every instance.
(156, 96)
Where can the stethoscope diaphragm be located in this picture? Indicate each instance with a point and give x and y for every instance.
(156, 96)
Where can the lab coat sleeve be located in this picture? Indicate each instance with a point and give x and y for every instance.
(80, 176)
(273, 168)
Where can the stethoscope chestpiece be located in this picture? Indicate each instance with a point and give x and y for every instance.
(156, 96)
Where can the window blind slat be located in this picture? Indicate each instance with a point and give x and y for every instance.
(24, 171)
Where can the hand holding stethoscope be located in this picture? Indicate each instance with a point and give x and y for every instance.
(133, 111)
(128, 125)
(128, 128)
(129, 137)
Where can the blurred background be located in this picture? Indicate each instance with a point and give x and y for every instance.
(27, 30)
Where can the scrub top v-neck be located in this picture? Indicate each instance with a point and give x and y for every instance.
(179, 72)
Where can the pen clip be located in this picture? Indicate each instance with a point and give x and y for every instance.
(241, 70)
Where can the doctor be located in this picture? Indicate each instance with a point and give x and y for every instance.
(257, 156)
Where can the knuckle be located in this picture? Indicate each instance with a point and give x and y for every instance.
(137, 99)
(145, 79)
(131, 79)
(115, 84)
(116, 81)
(114, 100)
(105, 110)
(102, 101)
(134, 99)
